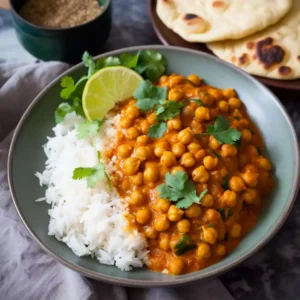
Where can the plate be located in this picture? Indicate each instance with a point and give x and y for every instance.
(26, 157)
(168, 37)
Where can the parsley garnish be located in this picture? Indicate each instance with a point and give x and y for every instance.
(129, 60)
(180, 189)
(222, 132)
(225, 183)
(199, 102)
(92, 175)
(88, 128)
(168, 110)
(62, 110)
(184, 244)
(157, 130)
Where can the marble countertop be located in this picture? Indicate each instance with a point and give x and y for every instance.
(274, 272)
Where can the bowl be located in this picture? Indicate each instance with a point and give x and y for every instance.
(26, 156)
(62, 44)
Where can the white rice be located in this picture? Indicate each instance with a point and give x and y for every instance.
(89, 221)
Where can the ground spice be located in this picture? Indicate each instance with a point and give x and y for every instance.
(60, 13)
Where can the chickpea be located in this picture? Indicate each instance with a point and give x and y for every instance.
(200, 155)
(176, 169)
(151, 173)
(172, 138)
(213, 143)
(174, 124)
(251, 196)
(251, 150)
(164, 243)
(194, 211)
(229, 198)
(250, 178)
(160, 148)
(175, 94)
(142, 152)
(197, 127)
(137, 179)
(229, 93)
(200, 175)
(132, 112)
(178, 149)
(212, 215)
(136, 198)
(206, 98)
(194, 147)
(234, 103)
(125, 122)
(183, 226)
(143, 139)
(202, 114)
(246, 135)
(215, 93)
(220, 250)
(203, 251)
(162, 223)
(175, 213)
(176, 266)
(185, 136)
(236, 184)
(162, 205)
(131, 165)
(168, 159)
(251, 168)
(243, 123)
(187, 115)
(223, 106)
(143, 216)
(162, 172)
(124, 150)
(243, 159)
(151, 118)
(210, 163)
(188, 160)
(163, 80)
(207, 200)
(194, 79)
(228, 150)
(125, 185)
(263, 164)
(150, 233)
(175, 80)
(236, 231)
(132, 133)
(209, 235)
(144, 126)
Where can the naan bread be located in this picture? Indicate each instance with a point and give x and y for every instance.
(273, 52)
(210, 20)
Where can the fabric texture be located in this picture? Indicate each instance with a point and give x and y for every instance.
(26, 272)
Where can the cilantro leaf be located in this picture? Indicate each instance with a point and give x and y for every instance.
(178, 188)
(88, 61)
(68, 85)
(77, 107)
(230, 213)
(236, 118)
(129, 60)
(92, 175)
(151, 64)
(148, 95)
(225, 184)
(259, 151)
(88, 129)
(222, 132)
(184, 244)
(109, 61)
(62, 110)
(168, 110)
(198, 101)
(222, 213)
(157, 130)
(215, 154)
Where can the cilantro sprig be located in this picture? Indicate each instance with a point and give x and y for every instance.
(222, 131)
(92, 175)
(184, 244)
(180, 189)
(87, 128)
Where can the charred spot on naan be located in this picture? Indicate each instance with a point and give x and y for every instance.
(219, 5)
(243, 59)
(250, 45)
(233, 59)
(284, 70)
(194, 23)
(269, 54)
(298, 57)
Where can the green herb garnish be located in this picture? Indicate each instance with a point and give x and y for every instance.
(225, 183)
(259, 151)
(230, 213)
(198, 101)
(236, 118)
(157, 130)
(210, 225)
(180, 189)
(216, 154)
(87, 128)
(184, 244)
(222, 213)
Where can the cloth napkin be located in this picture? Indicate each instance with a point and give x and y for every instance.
(26, 272)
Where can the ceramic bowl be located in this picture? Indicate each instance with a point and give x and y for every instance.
(65, 44)
(26, 157)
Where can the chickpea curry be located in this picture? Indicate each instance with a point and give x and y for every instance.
(190, 167)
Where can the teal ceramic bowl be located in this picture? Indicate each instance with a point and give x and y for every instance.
(66, 44)
(26, 157)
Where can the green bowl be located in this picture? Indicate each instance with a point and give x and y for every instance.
(26, 156)
(66, 44)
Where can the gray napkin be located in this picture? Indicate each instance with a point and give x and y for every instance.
(26, 272)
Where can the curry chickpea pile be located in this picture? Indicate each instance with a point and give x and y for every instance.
(190, 166)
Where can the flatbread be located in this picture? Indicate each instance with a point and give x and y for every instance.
(211, 20)
(273, 52)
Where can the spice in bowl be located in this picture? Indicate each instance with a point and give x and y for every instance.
(60, 13)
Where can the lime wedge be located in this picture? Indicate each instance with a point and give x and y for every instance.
(106, 88)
